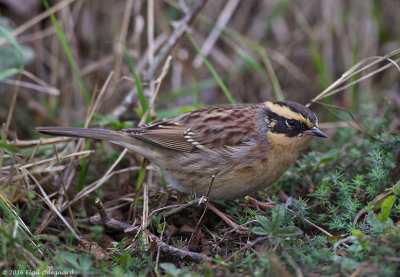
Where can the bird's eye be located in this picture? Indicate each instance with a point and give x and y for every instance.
(291, 122)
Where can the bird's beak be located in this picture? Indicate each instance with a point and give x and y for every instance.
(314, 131)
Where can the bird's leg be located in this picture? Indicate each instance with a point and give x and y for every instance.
(260, 205)
(227, 220)
(219, 213)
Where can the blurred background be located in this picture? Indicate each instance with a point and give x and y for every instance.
(261, 50)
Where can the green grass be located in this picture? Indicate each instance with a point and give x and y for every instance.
(68, 52)
(142, 98)
(212, 70)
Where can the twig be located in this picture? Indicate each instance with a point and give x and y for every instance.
(145, 212)
(50, 91)
(223, 19)
(174, 38)
(246, 246)
(111, 223)
(132, 227)
(25, 166)
(359, 67)
(183, 6)
(100, 207)
(42, 141)
(159, 246)
(95, 185)
(157, 89)
(361, 128)
(309, 222)
(207, 195)
(132, 96)
(163, 52)
(180, 208)
(21, 224)
(37, 19)
(54, 209)
(96, 105)
(106, 220)
(175, 252)
(118, 49)
(70, 170)
(35, 150)
(65, 194)
(339, 243)
(205, 208)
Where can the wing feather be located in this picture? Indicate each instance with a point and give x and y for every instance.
(170, 136)
(213, 127)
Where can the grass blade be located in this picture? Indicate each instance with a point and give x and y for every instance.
(67, 51)
(212, 70)
(142, 97)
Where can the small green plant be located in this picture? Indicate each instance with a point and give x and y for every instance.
(77, 264)
(156, 221)
(137, 261)
(172, 270)
(273, 227)
(361, 239)
(386, 207)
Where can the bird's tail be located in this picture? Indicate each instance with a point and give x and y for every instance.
(140, 147)
(101, 134)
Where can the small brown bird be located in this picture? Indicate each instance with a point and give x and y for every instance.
(246, 148)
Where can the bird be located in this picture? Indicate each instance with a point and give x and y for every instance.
(223, 152)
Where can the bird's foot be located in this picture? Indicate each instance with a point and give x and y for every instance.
(227, 220)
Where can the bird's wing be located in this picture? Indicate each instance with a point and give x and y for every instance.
(166, 135)
(208, 128)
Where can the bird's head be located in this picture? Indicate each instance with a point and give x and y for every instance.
(290, 123)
